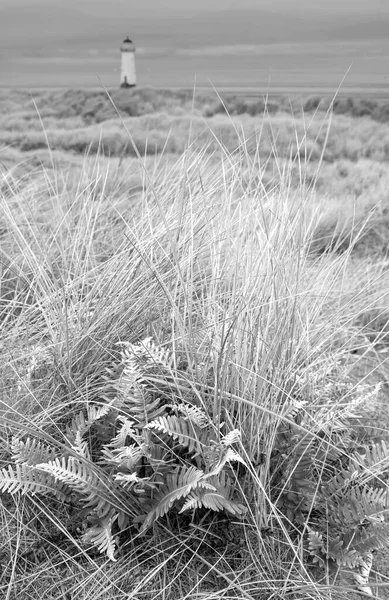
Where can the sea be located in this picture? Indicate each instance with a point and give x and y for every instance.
(247, 73)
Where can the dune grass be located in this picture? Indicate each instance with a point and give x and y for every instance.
(276, 332)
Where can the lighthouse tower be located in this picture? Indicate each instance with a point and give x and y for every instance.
(127, 72)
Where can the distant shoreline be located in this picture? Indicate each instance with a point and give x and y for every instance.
(378, 92)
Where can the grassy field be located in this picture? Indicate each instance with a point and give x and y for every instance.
(194, 312)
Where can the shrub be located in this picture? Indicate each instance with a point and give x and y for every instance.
(381, 113)
(312, 104)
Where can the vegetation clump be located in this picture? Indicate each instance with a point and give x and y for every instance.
(193, 368)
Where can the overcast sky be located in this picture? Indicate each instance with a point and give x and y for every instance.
(184, 6)
(56, 40)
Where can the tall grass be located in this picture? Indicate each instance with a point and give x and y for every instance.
(352, 139)
(222, 270)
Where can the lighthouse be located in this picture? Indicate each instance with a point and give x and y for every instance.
(127, 72)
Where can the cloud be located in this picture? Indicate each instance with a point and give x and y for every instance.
(91, 56)
(370, 47)
(62, 60)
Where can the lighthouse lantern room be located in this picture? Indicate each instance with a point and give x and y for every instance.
(127, 72)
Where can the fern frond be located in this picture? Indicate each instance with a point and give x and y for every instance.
(338, 551)
(81, 424)
(179, 429)
(135, 483)
(194, 414)
(81, 477)
(373, 537)
(362, 578)
(100, 535)
(27, 479)
(374, 461)
(316, 545)
(160, 459)
(359, 506)
(218, 457)
(124, 458)
(31, 451)
(125, 431)
(177, 485)
(98, 411)
(217, 497)
(79, 446)
(133, 398)
(214, 501)
(341, 483)
(232, 437)
(147, 349)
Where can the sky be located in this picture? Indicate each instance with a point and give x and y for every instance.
(51, 43)
(182, 6)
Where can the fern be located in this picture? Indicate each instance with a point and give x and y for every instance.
(126, 457)
(335, 488)
(218, 456)
(373, 461)
(125, 431)
(133, 398)
(178, 485)
(27, 479)
(79, 446)
(82, 478)
(147, 350)
(100, 535)
(135, 456)
(135, 483)
(82, 423)
(196, 415)
(31, 451)
(219, 498)
(181, 430)
(362, 578)
(365, 539)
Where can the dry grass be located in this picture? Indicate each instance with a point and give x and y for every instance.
(218, 255)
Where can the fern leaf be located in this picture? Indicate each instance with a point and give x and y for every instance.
(179, 429)
(31, 451)
(147, 349)
(79, 446)
(232, 437)
(334, 549)
(374, 461)
(82, 423)
(213, 500)
(100, 535)
(82, 478)
(125, 431)
(374, 537)
(134, 399)
(194, 414)
(362, 578)
(339, 552)
(27, 479)
(124, 458)
(73, 473)
(316, 545)
(223, 455)
(135, 483)
(178, 485)
(216, 496)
